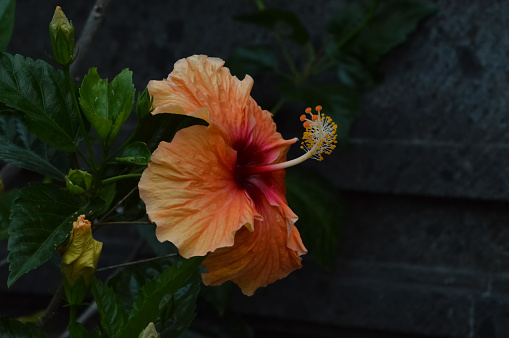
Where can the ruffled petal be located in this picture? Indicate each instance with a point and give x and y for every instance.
(252, 132)
(258, 258)
(199, 85)
(191, 194)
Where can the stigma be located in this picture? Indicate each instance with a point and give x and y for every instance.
(320, 135)
(319, 138)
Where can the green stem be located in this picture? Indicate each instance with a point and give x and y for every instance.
(278, 105)
(137, 262)
(326, 63)
(286, 55)
(260, 4)
(119, 178)
(87, 162)
(73, 311)
(72, 87)
(125, 144)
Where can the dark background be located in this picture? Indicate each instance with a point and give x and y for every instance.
(425, 176)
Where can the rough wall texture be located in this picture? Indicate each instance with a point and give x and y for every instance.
(426, 173)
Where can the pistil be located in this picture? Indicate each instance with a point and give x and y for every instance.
(319, 138)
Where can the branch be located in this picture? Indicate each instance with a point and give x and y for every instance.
(3, 262)
(53, 306)
(97, 224)
(94, 21)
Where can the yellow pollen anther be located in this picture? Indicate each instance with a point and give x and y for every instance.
(320, 135)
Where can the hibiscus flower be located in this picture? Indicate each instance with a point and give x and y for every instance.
(218, 190)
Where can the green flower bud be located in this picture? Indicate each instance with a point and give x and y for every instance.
(78, 181)
(149, 332)
(62, 38)
(79, 261)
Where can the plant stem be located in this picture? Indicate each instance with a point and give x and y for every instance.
(3, 262)
(119, 178)
(278, 105)
(136, 262)
(73, 309)
(94, 21)
(115, 207)
(260, 4)
(107, 223)
(125, 144)
(53, 305)
(286, 55)
(85, 159)
(324, 64)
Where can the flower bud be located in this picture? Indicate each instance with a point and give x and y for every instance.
(79, 261)
(149, 332)
(78, 181)
(62, 38)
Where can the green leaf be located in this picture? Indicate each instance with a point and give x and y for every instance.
(107, 105)
(11, 328)
(128, 282)
(42, 94)
(321, 212)
(177, 318)
(352, 72)
(6, 201)
(179, 310)
(338, 101)
(284, 23)
(161, 295)
(112, 312)
(7, 9)
(135, 153)
(107, 195)
(162, 127)
(78, 330)
(41, 219)
(251, 60)
(390, 26)
(22, 149)
(144, 105)
(366, 30)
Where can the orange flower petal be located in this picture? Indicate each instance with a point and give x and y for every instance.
(258, 258)
(199, 85)
(191, 194)
(252, 132)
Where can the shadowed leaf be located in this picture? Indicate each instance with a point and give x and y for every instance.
(321, 213)
(7, 9)
(284, 23)
(22, 149)
(11, 328)
(42, 94)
